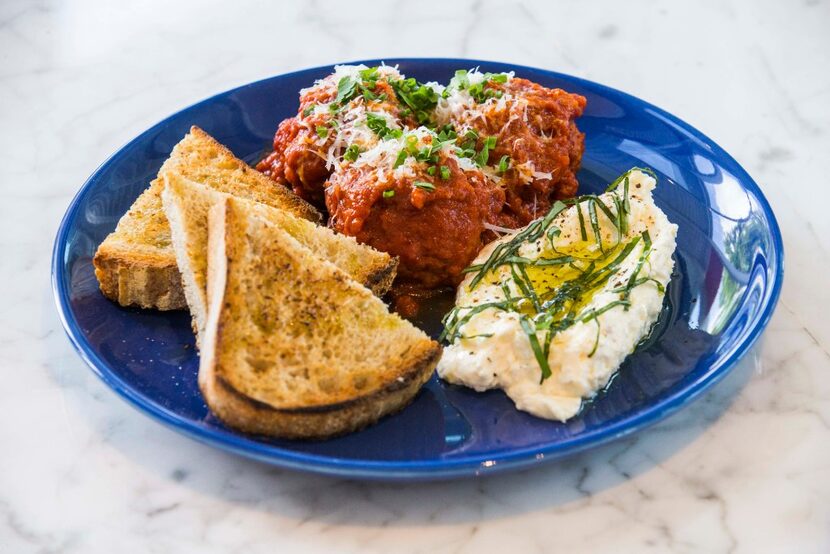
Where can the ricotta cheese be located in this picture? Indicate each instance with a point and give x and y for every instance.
(577, 293)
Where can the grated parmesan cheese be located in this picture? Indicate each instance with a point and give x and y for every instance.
(348, 124)
(461, 108)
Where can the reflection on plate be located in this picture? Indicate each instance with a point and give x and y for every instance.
(729, 266)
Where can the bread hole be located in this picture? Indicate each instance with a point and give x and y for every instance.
(259, 365)
(360, 381)
(326, 384)
(299, 374)
(261, 320)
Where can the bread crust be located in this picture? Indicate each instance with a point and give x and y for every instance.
(320, 422)
(137, 279)
(131, 270)
(380, 281)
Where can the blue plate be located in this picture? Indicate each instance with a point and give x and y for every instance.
(729, 273)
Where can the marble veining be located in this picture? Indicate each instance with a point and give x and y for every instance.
(745, 469)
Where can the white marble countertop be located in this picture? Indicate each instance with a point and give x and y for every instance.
(745, 469)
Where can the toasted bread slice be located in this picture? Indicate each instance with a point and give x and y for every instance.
(293, 347)
(187, 203)
(136, 265)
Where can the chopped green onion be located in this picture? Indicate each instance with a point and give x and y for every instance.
(388, 193)
(309, 109)
(445, 172)
(322, 131)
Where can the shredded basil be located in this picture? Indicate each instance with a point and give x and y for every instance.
(543, 313)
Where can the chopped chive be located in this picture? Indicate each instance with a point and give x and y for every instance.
(424, 185)
(378, 125)
(352, 153)
(400, 159)
(418, 97)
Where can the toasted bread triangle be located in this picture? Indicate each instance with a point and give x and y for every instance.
(186, 205)
(293, 346)
(135, 264)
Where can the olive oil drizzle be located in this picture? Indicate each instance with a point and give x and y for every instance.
(544, 314)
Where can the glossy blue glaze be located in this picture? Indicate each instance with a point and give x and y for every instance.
(728, 277)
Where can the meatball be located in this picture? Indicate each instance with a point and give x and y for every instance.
(534, 132)
(428, 212)
(354, 107)
(298, 159)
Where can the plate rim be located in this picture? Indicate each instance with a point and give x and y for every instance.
(409, 469)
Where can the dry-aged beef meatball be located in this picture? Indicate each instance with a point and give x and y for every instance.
(350, 108)
(427, 206)
(425, 172)
(536, 140)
